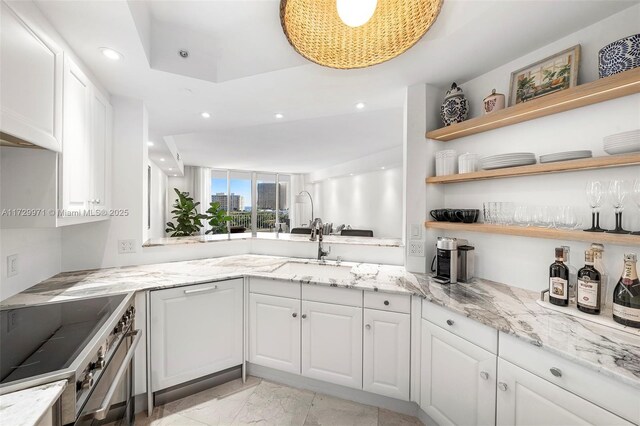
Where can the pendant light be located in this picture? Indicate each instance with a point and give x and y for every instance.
(348, 34)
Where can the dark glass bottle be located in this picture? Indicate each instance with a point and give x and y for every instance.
(589, 286)
(626, 295)
(559, 280)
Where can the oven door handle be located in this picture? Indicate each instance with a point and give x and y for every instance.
(101, 413)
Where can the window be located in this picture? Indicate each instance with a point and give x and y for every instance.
(266, 201)
(240, 200)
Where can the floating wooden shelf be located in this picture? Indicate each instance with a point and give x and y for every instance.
(537, 232)
(604, 89)
(538, 169)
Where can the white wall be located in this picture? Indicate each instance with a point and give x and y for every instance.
(523, 262)
(365, 201)
(159, 204)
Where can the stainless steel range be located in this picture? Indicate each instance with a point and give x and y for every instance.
(89, 342)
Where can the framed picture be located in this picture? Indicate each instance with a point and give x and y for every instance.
(550, 75)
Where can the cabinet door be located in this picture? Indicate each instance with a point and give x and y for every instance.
(332, 343)
(195, 331)
(100, 150)
(458, 379)
(76, 155)
(526, 399)
(386, 353)
(30, 83)
(274, 332)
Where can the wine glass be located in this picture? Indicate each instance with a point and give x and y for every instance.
(617, 193)
(595, 194)
(636, 197)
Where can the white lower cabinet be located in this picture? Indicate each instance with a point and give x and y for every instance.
(458, 381)
(332, 343)
(274, 332)
(526, 399)
(386, 353)
(195, 331)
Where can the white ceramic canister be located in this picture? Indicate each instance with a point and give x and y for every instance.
(468, 163)
(494, 102)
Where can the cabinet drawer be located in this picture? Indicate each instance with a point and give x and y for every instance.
(471, 330)
(335, 295)
(387, 302)
(620, 399)
(275, 288)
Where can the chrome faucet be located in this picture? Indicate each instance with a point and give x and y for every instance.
(316, 232)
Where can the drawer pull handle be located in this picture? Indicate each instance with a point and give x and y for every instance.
(201, 290)
(386, 303)
(556, 372)
(294, 315)
(484, 375)
(449, 322)
(502, 386)
(368, 326)
(304, 316)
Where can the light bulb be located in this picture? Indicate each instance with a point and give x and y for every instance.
(355, 13)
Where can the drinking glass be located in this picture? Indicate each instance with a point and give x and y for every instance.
(522, 215)
(636, 197)
(617, 193)
(595, 194)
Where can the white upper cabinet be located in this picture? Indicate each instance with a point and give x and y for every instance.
(30, 83)
(100, 151)
(332, 343)
(76, 143)
(386, 351)
(195, 331)
(274, 331)
(526, 399)
(458, 382)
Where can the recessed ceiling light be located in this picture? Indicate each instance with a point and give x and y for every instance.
(360, 105)
(278, 115)
(149, 143)
(205, 114)
(382, 167)
(170, 168)
(175, 175)
(162, 159)
(111, 54)
(350, 174)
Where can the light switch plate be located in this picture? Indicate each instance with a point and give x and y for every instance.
(416, 232)
(12, 265)
(416, 248)
(126, 246)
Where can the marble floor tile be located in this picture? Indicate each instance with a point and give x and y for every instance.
(163, 417)
(329, 411)
(216, 406)
(391, 418)
(274, 404)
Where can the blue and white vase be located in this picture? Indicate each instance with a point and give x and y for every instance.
(455, 108)
(619, 56)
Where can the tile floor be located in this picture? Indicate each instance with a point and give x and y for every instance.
(259, 402)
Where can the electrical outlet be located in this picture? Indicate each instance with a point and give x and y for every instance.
(126, 246)
(416, 248)
(12, 265)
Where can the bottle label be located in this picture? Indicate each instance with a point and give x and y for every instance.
(588, 292)
(558, 288)
(627, 313)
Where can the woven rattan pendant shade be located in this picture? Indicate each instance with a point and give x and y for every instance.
(315, 30)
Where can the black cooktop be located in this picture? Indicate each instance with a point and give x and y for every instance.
(41, 339)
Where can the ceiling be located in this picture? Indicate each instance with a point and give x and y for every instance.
(242, 71)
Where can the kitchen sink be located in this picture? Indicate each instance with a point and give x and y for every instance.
(315, 270)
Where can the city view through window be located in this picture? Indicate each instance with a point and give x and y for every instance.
(235, 196)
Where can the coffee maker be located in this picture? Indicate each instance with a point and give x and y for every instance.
(454, 261)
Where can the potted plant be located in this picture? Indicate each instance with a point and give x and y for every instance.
(189, 221)
(217, 218)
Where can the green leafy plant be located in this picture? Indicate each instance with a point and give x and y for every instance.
(524, 85)
(217, 218)
(548, 75)
(189, 221)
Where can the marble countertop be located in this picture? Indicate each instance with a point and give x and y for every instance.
(26, 407)
(272, 236)
(508, 309)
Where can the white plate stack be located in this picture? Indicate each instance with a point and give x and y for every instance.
(513, 159)
(446, 162)
(565, 156)
(622, 143)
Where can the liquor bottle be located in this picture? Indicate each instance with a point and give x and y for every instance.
(559, 280)
(605, 289)
(573, 275)
(626, 295)
(589, 286)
